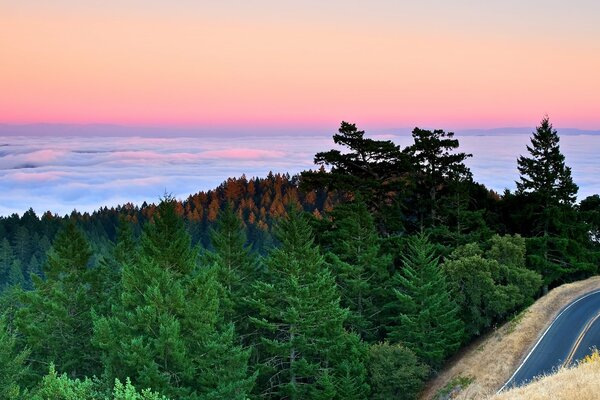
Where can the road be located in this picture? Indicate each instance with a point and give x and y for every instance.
(570, 337)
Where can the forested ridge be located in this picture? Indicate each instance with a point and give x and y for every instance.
(356, 280)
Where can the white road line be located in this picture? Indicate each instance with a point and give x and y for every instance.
(542, 337)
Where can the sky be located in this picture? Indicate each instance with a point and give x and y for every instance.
(114, 101)
(300, 66)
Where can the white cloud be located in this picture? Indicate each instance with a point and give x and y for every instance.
(84, 173)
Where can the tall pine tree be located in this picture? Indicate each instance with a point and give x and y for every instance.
(236, 265)
(303, 349)
(7, 259)
(544, 172)
(165, 332)
(55, 320)
(13, 363)
(363, 272)
(557, 244)
(427, 320)
(438, 168)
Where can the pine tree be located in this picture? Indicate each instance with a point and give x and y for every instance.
(55, 318)
(555, 248)
(13, 367)
(427, 321)
(163, 333)
(7, 259)
(363, 272)
(236, 266)
(438, 168)
(303, 349)
(15, 276)
(377, 169)
(545, 172)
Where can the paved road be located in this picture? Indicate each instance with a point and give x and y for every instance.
(569, 338)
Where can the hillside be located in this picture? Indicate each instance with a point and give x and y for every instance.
(580, 382)
(473, 375)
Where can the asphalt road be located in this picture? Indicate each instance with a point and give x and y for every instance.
(569, 338)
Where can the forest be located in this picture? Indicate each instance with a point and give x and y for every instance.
(355, 280)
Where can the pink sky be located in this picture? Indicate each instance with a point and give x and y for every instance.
(148, 63)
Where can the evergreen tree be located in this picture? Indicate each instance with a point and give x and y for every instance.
(363, 272)
(438, 168)
(303, 349)
(545, 172)
(163, 333)
(376, 169)
(22, 244)
(236, 266)
(13, 367)
(427, 321)
(15, 276)
(7, 260)
(589, 209)
(557, 246)
(125, 248)
(55, 318)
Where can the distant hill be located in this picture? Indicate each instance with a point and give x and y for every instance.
(47, 129)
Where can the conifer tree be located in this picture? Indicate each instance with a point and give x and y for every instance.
(7, 259)
(13, 367)
(545, 172)
(363, 272)
(438, 167)
(163, 333)
(557, 246)
(15, 276)
(236, 266)
(55, 318)
(303, 349)
(427, 319)
(377, 169)
(125, 248)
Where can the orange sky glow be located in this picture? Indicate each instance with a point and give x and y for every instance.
(198, 66)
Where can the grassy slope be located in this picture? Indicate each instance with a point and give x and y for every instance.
(579, 383)
(489, 362)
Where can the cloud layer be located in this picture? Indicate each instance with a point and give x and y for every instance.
(85, 173)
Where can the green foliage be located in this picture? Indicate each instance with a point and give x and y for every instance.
(438, 166)
(545, 172)
(489, 287)
(60, 387)
(163, 333)
(304, 351)
(394, 372)
(128, 392)
(589, 209)
(13, 363)
(54, 319)
(236, 266)
(559, 244)
(7, 260)
(426, 319)
(373, 168)
(361, 269)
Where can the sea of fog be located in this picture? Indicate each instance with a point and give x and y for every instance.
(84, 173)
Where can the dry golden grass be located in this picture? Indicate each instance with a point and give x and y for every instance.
(491, 360)
(579, 383)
